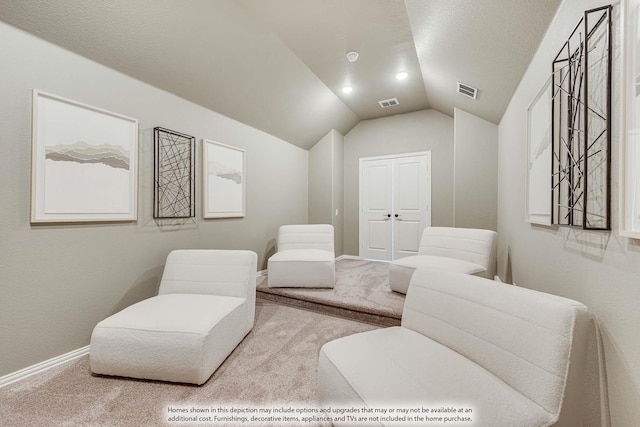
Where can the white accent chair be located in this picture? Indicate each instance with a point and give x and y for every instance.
(460, 250)
(513, 355)
(204, 308)
(305, 258)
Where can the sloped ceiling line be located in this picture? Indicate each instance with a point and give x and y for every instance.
(279, 65)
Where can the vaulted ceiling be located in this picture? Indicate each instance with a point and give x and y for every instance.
(280, 65)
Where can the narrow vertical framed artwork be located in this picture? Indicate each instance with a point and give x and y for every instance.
(581, 125)
(84, 162)
(224, 180)
(630, 121)
(174, 179)
(538, 199)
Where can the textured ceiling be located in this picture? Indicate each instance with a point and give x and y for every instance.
(279, 65)
(321, 32)
(486, 44)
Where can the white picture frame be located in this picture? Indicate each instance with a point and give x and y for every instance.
(223, 180)
(539, 134)
(630, 122)
(84, 162)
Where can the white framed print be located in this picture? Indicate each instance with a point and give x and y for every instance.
(538, 195)
(630, 121)
(224, 180)
(84, 162)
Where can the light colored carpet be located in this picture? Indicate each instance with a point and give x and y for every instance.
(276, 364)
(361, 292)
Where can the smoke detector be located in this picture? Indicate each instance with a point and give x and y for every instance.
(352, 56)
(467, 90)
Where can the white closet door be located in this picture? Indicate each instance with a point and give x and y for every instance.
(375, 210)
(395, 198)
(410, 211)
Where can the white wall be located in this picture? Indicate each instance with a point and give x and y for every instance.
(337, 208)
(326, 184)
(426, 130)
(599, 269)
(475, 172)
(58, 281)
(320, 181)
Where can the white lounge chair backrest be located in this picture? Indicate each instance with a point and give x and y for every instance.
(522, 336)
(306, 236)
(468, 244)
(208, 271)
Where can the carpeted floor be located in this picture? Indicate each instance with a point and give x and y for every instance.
(275, 365)
(361, 292)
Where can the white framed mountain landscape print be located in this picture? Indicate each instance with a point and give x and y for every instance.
(224, 180)
(84, 162)
(538, 200)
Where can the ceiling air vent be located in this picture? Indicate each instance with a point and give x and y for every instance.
(388, 102)
(467, 90)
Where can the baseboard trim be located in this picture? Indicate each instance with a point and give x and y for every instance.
(42, 366)
(341, 257)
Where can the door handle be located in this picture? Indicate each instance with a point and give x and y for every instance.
(398, 217)
(387, 216)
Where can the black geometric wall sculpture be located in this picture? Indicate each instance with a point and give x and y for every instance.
(581, 111)
(174, 174)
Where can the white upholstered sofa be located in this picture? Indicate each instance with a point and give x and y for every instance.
(205, 306)
(514, 356)
(460, 250)
(305, 258)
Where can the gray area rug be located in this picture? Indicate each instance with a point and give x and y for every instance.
(361, 292)
(276, 364)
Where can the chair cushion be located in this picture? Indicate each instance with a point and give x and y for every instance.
(401, 270)
(305, 268)
(171, 337)
(400, 367)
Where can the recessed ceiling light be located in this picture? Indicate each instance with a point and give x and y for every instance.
(352, 56)
(347, 89)
(401, 76)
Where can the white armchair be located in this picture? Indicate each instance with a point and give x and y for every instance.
(516, 356)
(205, 306)
(460, 250)
(305, 257)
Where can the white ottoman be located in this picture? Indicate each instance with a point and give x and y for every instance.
(401, 270)
(302, 268)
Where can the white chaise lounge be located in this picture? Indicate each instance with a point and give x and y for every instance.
(204, 308)
(460, 250)
(305, 258)
(514, 356)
